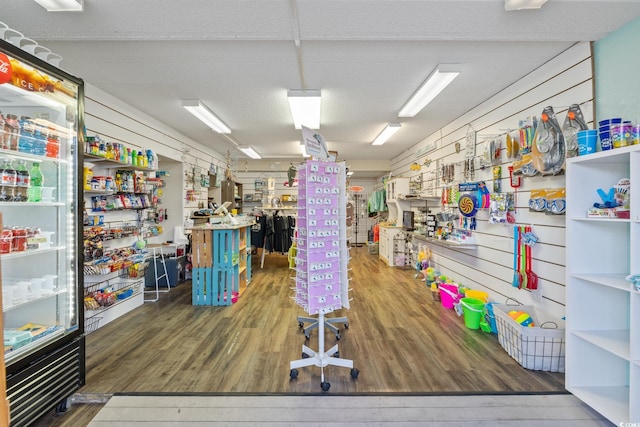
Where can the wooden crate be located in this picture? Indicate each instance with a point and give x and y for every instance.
(202, 248)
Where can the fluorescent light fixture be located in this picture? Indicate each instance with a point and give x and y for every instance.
(249, 151)
(205, 115)
(386, 133)
(62, 5)
(523, 4)
(305, 108)
(435, 83)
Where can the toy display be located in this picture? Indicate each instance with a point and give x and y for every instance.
(615, 202)
(573, 123)
(548, 149)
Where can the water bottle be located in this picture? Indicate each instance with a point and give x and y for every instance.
(34, 194)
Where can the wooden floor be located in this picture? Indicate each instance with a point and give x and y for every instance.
(399, 338)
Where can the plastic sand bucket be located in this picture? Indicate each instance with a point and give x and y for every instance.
(473, 309)
(481, 295)
(448, 295)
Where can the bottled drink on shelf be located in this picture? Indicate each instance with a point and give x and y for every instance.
(23, 180)
(34, 194)
(9, 178)
(134, 157)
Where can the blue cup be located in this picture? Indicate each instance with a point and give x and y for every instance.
(605, 141)
(587, 142)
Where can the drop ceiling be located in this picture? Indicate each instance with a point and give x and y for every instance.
(239, 57)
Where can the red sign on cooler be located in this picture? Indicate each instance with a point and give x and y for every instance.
(5, 69)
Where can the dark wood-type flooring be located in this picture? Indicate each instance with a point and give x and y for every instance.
(399, 338)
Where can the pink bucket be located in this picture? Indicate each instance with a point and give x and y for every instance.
(448, 295)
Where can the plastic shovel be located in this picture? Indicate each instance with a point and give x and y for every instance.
(532, 278)
(516, 257)
(523, 260)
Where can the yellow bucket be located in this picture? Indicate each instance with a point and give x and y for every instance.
(481, 295)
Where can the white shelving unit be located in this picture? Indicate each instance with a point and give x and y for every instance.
(397, 188)
(386, 247)
(603, 309)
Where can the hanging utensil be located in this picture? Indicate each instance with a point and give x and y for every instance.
(516, 257)
(523, 259)
(532, 278)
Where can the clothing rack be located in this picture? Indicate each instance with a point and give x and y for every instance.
(275, 211)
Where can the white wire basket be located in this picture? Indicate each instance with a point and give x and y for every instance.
(539, 348)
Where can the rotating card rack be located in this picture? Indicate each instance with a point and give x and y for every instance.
(322, 283)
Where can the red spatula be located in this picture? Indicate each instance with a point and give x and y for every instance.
(532, 278)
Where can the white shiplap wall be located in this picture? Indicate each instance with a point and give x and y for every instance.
(566, 79)
(117, 121)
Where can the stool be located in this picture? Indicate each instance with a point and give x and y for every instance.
(155, 248)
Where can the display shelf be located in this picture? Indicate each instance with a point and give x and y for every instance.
(137, 287)
(31, 252)
(33, 345)
(598, 219)
(451, 243)
(614, 341)
(94, 159)
(616, 281)
(19, 155)
(18, 305)
(132, 220)
(31, 204)
(613, 401)
(603, 309)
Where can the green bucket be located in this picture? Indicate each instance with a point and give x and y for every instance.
(473, 310)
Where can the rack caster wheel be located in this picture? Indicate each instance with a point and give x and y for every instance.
(293, 374)
(336, 354)
(337, 337)
(63, 406)
(325, 386)
(305, 356)
(306, 337)
(346, 325)
(354, 373)
(300, 325)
